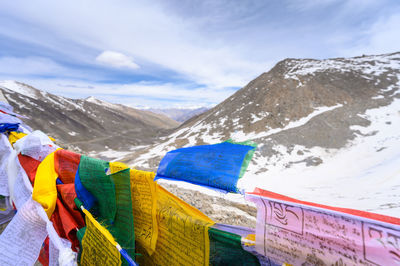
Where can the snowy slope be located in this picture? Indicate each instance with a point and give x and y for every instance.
(363, 175)
(19, 88)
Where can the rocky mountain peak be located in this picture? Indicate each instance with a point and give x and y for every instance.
(320, 125)
(294, 89)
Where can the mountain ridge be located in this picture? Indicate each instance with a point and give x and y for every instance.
(93, 125)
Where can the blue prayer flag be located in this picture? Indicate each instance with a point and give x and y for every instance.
(4, 127)
(87, 199)
(218, 166)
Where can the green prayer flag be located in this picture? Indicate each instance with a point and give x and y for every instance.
(114, 202)
(226, 249)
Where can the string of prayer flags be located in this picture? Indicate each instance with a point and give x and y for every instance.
(219, 165)
(299, 232)
(23, 237)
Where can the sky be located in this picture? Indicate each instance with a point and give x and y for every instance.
(180, 53)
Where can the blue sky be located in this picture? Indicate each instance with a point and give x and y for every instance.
(179, 53)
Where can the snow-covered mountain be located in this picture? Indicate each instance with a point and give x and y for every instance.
(90, 124)
(179, 114)
(328, 131)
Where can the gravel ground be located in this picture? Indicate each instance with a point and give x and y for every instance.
(218, 209)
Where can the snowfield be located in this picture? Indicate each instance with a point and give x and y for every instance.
(364, 175)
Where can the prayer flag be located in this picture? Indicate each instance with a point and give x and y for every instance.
(182, 233)
(299, 232)
(98, 245)
(219, 165)
(113, 199)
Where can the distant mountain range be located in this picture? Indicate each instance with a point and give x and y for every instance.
(90, 124)
(179, 114)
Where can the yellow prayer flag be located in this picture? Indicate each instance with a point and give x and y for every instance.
(144, 204)
(182, 233)
(115, 167)
(250, 240)
(44, 188)
(14, 136)
(98, 245)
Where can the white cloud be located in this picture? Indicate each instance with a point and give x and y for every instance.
(116, 59)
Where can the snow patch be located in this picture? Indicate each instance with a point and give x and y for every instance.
(110, 154)
(378, 97)
(368, 65)
(13, 86)
(241, 136)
